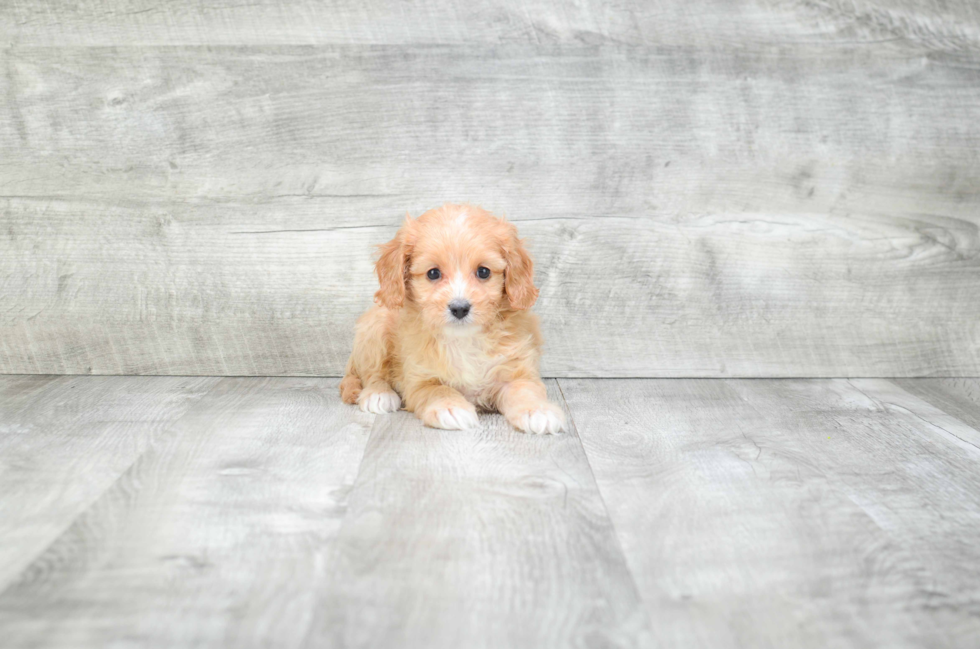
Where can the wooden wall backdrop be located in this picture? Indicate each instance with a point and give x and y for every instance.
(720, 188)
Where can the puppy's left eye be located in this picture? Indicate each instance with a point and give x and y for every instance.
(483, 272)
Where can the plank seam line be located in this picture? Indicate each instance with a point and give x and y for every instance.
(605, 508)
(97, 498)
(329, 562)
(918, 416)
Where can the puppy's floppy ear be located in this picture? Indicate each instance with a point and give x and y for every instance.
(519, 276)
(392, 267)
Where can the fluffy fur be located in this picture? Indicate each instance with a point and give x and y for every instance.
(443, 367)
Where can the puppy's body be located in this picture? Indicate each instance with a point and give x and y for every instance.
(452, 331)
(476, 366)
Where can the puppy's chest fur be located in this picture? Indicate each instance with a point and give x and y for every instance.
(467, 366)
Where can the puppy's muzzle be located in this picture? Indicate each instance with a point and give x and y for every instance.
(459, 308)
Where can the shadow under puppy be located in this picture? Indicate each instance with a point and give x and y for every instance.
(452, 330)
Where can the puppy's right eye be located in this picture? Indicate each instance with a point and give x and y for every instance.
(433, 274)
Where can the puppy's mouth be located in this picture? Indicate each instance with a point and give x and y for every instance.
(459, 324)
(456, 326)
(460, 330)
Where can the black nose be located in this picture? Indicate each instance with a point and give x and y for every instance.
(459, 308)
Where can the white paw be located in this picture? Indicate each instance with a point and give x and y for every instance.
(379, 402)
(454, 418)
(547, 420)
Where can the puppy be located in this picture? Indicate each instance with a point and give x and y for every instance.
(452, 331)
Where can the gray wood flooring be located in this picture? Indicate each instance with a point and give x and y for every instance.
(262, 512)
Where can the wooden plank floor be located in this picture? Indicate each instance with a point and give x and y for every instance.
(248, 512)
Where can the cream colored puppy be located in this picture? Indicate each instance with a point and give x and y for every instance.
(452, 330)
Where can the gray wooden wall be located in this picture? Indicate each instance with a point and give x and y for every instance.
(720, 188)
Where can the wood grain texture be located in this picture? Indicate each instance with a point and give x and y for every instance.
(745, 209)
(64, 441)
(788, 513)
(699, 295)
(945, 23)
(17, 393)
(212, 538)
(477, 539)
(959, 398)
(256, 512)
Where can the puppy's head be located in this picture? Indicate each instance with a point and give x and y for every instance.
(459, 265)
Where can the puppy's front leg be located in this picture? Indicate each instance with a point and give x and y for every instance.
(525, 404)
(440, 406)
